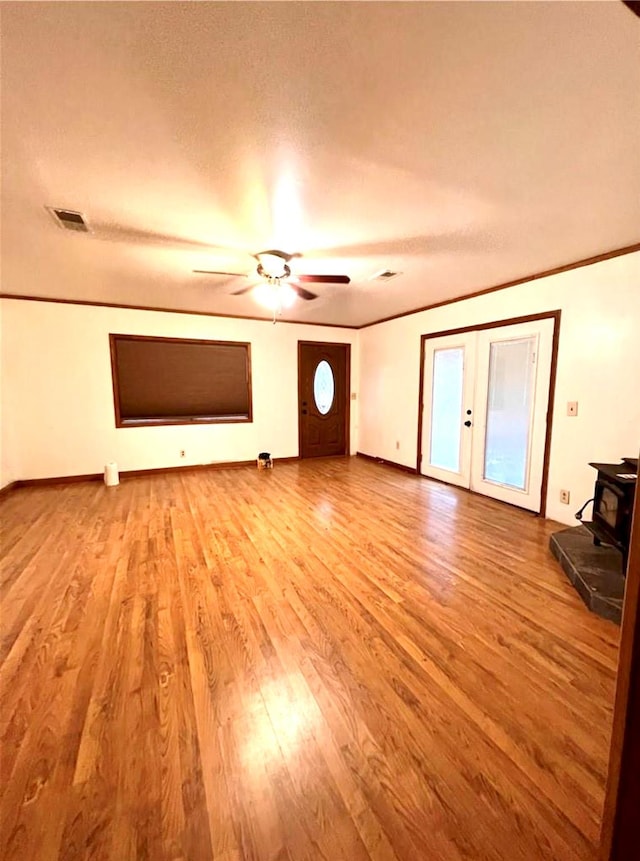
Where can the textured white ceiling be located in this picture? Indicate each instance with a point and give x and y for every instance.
(464, 144)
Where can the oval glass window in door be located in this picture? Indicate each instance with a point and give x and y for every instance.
(323, 387)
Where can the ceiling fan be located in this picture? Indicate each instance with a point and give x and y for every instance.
(278, 287)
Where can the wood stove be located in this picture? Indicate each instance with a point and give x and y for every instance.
(613, 504)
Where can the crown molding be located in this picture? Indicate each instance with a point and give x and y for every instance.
(567, 267)
(588, 261)
(88, 302)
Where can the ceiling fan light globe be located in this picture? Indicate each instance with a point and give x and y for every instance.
(265, 296)
(274, 295)
(273, 266)
(287, 295)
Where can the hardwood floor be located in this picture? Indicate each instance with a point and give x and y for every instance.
(329, 660)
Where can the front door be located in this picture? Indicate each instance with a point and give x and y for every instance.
(323, 398)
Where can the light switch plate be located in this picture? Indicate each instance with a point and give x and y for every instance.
(572, 408)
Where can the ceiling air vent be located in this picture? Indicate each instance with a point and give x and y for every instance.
(69, 219)
(385, 275)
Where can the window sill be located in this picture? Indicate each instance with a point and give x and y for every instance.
(183, 420)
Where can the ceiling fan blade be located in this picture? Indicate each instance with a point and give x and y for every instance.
(244, 290)
(302, 293)
(214, 272)
(324, 279)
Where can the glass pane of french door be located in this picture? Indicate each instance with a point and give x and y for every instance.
(449, 363)
(509, 405)
(510, 417)
(446, 408)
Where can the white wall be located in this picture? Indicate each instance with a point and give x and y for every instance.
(598, 366)
(57, 402)
(58, 399)
(9, 457)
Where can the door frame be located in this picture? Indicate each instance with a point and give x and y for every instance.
(347, 411)
(497, 324)
(618, 835)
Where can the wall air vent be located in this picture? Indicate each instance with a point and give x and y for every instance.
(385, 275)
(69, 219)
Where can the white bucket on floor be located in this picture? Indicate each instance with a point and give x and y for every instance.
(111, 476)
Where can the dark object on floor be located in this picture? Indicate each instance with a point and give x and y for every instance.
(264, 460)
(596, 572)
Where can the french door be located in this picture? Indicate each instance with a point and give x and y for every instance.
(486, 395)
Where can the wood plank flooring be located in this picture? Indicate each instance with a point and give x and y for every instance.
(329, 660)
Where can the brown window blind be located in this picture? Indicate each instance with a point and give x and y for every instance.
(176, 381)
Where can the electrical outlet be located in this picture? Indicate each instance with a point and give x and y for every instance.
(565, 495)
(397, 445)
(181, 452)
(572, 408)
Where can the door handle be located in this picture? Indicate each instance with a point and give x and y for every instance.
(467, 424)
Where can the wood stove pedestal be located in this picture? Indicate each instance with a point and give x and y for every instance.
(595, 571)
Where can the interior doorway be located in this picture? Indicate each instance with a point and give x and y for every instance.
(486, 403)
(324, 373)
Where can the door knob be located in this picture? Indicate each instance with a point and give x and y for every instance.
(467, 424)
